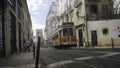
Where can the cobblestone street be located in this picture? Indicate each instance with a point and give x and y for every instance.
(81, 57)
(59, 33)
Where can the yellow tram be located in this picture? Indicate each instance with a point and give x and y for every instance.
(64, 36)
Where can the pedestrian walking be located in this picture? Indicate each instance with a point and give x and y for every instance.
(33, 50)
(27, 46)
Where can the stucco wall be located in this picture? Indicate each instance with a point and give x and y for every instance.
(113, 27)
(81, 10)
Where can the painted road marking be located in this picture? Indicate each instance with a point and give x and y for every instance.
(108, 54)
(53, 65)
(84, 58)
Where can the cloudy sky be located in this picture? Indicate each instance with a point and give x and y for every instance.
(38, 10)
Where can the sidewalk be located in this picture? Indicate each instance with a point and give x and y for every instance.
(23, 60)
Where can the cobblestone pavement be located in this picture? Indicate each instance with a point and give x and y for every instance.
(81, 58)
(22, 60)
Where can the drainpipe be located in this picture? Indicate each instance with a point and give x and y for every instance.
(86, 25)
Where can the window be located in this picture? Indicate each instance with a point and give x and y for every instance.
(12, 3)
(70, 31)
(67, 17)
(93, 0)
(119, 36)
(71, 17)
(38, 33)
(67, 31)
(94, 9)
(105, 31)
(105, 11)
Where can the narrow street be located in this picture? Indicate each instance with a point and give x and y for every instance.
(80, 58)
(59, 33)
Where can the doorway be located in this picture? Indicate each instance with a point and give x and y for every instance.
(13, 33)
(94, 38)
(2, 30)
(19, 32)
(80, 33)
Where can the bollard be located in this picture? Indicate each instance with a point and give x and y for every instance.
(112, 42)
(37, 53)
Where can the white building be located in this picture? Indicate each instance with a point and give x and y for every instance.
(96, 23)
(65, 10)
(117, 6)
(51, 22)
(94, 20)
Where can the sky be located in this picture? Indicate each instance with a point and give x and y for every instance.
(38, 10)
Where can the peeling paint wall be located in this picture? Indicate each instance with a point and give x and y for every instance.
(113, 27)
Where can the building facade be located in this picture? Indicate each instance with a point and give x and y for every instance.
(2, 48)
(51, 22)
(96, 22)
(39, 32)
(117, 6)
(94, 25)
(15, 19)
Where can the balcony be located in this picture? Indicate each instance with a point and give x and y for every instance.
(67, 24)
(77, 3)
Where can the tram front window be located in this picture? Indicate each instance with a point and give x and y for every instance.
(67, 31)
(70, 31)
